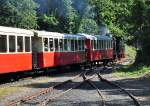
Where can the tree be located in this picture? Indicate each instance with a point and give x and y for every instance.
(46, 22)
(88, 26)
(18, 13)
(114, 14)
(141, 29)
(69, 14)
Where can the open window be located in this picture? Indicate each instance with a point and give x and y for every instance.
(80, 45)
(111, 43)
(83, 42)
(61, 44)
(45, 44)
(12, 44)
(92, 44)
(65, 45)
(51, 44)
(95, 44)
(27, 44)
(20, 43)
(3, 43)
(106, 44)
(72, 45)
(76, 45)
(102, 44)
(56, 44)
(69, 45)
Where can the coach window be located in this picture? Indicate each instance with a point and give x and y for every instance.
(80, 45)
(102, 44)
(69, 45)
(3, 43)
(72, 45)
(106, 44)
(83, 44)
(51, 44)
(27, 44)
(12, 44)
(92, 44)
(60, 44)
(109, 43)
(45, 44)
(97, 44)
(20, 43)
(76, 45)
(56, 44)
(65, 45)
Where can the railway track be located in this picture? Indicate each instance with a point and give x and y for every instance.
(50, 98)
(121, 88)
(95, 87)
(135, 101)
(42, 92)
(86, 79)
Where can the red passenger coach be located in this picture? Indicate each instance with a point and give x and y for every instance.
(51, 49)
(99, 47)
(15, 50)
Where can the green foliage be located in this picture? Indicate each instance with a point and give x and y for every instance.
(48, 22)
(114, 14)
(140, 29)
(18, 13)
(130, 52)
(70, 16)
(88, 26)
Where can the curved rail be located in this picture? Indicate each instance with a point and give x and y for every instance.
(116, 85)
(39, 93)
(46, 101)
(94, 86)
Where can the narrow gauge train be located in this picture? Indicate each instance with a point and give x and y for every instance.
(24, 50)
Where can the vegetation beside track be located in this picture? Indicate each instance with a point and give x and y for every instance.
(131, 70)
(130, 52)
(6, 91)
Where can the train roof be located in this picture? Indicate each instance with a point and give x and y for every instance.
(96, 37)
(74, 36)
(47, 34)
(15, 31)
(104, 37)
(57, 35)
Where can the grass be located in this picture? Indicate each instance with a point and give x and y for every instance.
(131, 70)
(6, 91)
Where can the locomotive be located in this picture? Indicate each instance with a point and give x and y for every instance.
(23, 50)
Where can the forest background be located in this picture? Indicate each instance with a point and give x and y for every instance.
(129, 19)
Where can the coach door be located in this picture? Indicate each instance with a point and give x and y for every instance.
(36, 48)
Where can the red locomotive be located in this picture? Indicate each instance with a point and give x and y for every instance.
(24, 50)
